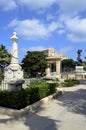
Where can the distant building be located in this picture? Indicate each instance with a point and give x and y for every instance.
(54, 62)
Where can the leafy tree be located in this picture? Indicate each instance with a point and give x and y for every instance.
(4, 60)
(68, 65)
(84, 65)
(33, 63)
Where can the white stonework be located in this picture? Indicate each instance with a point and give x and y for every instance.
(14, 73)
(79, 69)
(14, 53)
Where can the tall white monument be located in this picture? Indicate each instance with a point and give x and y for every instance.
(14, 73)
(14, 59)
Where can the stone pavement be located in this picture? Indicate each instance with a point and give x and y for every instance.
(68, 112)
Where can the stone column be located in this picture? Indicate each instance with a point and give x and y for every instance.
(58, 67)
(14, 53)
(48, 71)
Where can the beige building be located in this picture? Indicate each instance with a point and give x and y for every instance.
(54, 62)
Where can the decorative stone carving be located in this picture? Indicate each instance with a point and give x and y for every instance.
(14, 73)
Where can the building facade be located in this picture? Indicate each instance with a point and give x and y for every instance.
(54, 62)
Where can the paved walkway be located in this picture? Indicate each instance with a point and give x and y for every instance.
(68, 112)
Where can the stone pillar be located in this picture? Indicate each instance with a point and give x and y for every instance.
(48, 71)
(58, 67)
(14, 53)
(13, 72)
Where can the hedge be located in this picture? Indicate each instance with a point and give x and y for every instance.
(40, 89)
(24, 97)
(16, 100)
(70, 82)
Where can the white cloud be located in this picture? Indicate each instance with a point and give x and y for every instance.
(67, 11)
(30, 4)
(33, 29)
(72, 7)
(67, 7)
(75, 38)
(66, 50)
(61, 31)
(6, 6)
(74, 23)
(77, 29)
(53, 26)
(37, 48)
(50, 17)
(35, 5)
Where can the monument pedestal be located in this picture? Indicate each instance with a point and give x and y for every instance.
(79, 69)
(14, 77)
(15, 84)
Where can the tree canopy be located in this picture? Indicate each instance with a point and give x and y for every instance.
(4, 60)
(68, 65)
(4, 57)
(34, 63)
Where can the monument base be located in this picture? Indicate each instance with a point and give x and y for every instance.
(15, 85)
(14, 77)
(79, 69)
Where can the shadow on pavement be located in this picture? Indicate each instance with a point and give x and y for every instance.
(37, 122)
(75, 101)
(31, 122)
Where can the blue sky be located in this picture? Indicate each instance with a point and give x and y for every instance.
(41, 24)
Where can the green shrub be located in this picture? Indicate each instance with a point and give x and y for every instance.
(70, 82)
(52, 88)
(76, 82)
(16, 100)
(20, 99)
(41, 89)
(33, 94)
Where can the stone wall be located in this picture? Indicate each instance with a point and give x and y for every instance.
(73, 76)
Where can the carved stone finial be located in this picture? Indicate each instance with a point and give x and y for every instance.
(14, 33)
(14, 38)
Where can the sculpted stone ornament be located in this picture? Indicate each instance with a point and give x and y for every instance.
(14, 73)
(14, 68)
